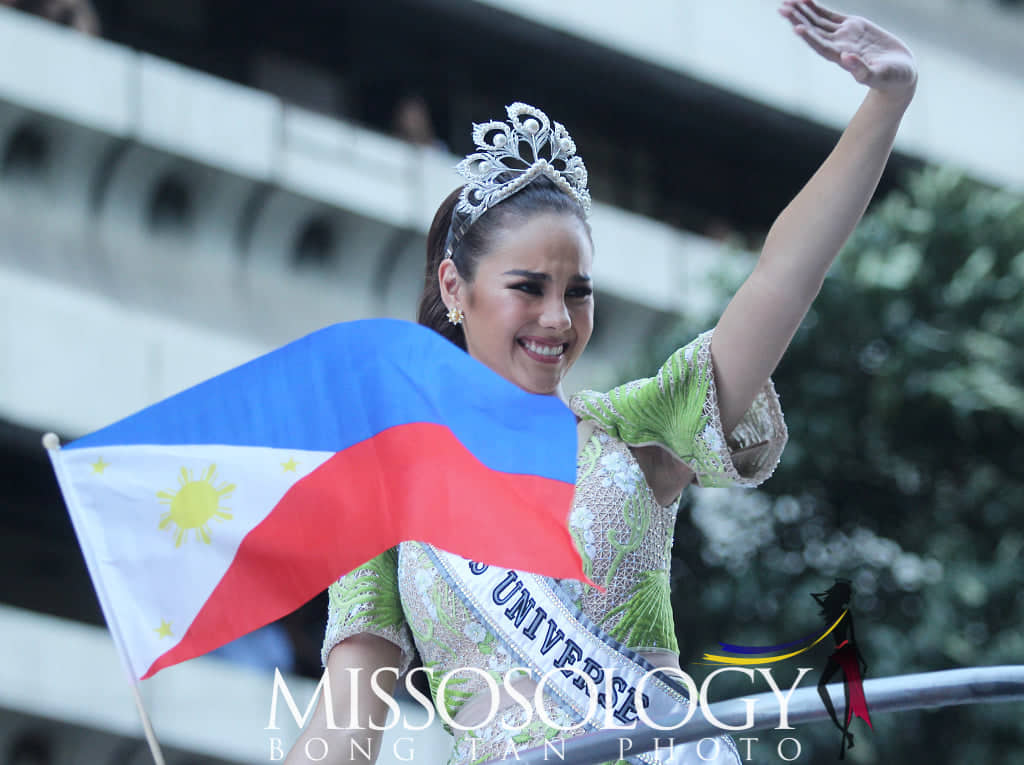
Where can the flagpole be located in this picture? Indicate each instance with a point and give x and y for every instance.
(147, 727)
(52, 445)
(953, 687)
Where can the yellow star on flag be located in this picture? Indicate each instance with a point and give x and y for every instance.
(99, 466)
(164, 630)
(290, 465)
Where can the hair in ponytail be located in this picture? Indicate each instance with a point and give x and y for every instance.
(540, 196)
(432, 311)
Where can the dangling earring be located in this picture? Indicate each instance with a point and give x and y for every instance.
(455, 315)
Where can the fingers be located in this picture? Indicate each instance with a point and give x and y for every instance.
(790, 10)
(835, 18)
(800, 15)
(817, 40)
(810, 12)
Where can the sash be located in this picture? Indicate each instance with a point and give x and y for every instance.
(539, 626)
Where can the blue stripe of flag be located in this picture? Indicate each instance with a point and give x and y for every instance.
(348, 382)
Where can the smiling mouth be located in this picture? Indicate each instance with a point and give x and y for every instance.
(543, 352)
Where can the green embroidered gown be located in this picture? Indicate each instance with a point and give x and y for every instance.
(622, 534)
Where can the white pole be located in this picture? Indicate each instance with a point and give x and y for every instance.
(52, 444)
(147, 727)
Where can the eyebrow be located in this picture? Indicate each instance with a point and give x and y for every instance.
(542, 277)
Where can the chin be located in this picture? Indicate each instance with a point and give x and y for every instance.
(547, 388)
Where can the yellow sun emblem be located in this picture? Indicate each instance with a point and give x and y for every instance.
(194, 504)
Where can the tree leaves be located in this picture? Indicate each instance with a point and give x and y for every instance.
(904, 396)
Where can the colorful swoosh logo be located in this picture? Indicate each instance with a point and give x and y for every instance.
(749, 652)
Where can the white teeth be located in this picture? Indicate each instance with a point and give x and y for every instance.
(544, 350)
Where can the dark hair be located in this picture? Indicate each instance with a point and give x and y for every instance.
(540, 196)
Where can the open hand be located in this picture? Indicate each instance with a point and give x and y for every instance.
(873, 56)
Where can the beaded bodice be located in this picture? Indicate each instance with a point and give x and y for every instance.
(624, 537)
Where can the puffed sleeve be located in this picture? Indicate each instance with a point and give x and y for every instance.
(678, 410)
(367, 600)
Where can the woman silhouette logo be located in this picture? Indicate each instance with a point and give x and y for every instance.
(835, 609)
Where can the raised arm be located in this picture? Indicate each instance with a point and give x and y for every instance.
(367, 653)
(759, 322)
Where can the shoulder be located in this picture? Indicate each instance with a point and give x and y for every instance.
(662, 410)
(676, 411)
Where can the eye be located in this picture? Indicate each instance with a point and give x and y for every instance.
(579, 292)
(530, 288)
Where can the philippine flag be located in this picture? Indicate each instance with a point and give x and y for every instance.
(220, 509)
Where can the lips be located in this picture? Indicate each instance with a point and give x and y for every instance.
(543, 351)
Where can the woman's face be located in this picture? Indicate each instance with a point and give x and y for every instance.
(529, 311)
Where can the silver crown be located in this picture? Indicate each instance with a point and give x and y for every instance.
(512, 155)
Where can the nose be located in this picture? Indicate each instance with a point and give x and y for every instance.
(556, 314)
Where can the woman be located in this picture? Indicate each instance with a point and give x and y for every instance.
(508, 279)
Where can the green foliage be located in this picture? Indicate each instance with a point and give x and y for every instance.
(904, 395)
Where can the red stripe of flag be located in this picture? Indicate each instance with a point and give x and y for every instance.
(401, 482)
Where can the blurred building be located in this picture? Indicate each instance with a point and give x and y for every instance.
(216, 178)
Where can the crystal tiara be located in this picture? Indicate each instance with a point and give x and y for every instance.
(510, 156)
